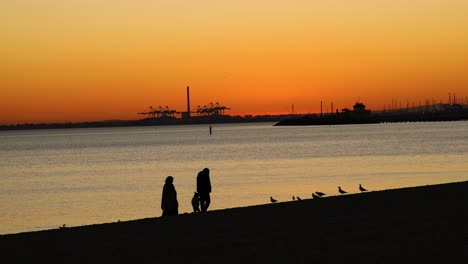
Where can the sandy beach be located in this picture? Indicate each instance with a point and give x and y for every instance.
(417, 224)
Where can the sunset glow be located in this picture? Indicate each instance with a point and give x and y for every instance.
(87, 60)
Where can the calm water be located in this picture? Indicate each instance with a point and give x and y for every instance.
(86, 176)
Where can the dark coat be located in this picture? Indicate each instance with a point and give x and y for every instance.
(203, 182)
(169, 203)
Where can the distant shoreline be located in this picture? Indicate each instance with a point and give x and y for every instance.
(422, 224)
(147, 122)
(346, 118)
(279, 120)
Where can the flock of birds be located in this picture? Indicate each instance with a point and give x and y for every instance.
(317, 194)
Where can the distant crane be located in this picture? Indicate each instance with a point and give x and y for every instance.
(148, 111)
(211, 109)
(159, 112)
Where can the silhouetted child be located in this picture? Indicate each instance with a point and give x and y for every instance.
(196, 203)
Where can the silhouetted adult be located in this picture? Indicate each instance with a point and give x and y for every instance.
(204, 189)
(169, 204)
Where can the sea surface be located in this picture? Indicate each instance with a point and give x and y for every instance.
(75, 177)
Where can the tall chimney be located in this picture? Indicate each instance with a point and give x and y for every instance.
(188, 102)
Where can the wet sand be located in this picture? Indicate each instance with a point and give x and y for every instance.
(418, 224)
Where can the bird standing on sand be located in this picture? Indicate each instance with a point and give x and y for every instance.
(315, 196)
(319, 194)
(341, 191)
(273, 200)
(299, 198)
(294, 198)
(362, 189)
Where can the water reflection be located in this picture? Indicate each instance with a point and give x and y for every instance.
(87, 176)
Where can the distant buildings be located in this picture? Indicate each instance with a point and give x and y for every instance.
(358, 108)
(361, 115)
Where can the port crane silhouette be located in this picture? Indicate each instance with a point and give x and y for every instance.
(211, 109)
(159, 112)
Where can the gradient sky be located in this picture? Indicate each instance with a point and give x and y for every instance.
(85, 60)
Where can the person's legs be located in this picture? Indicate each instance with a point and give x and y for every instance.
(207, 201)
(204, 201)
(173, 212)
(202, 204)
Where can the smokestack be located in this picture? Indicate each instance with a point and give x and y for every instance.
(188, 102)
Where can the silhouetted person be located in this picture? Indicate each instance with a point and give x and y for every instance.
(196, 203)
(169, 204)
(204, 189)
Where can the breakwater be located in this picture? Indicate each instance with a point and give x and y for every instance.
(378, 117)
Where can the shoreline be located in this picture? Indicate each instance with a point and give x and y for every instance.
(315, 119)
(144, 123)
(367, 117)
(425, 223)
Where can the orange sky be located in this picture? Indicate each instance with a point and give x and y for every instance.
(85, 60)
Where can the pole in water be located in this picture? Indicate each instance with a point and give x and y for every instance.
(210, 130)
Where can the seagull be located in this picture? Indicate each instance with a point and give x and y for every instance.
(320, 193)
(299, 198)
(340, 190)
(362, 189)
(273, 200)
(315, 196)
(294, 198)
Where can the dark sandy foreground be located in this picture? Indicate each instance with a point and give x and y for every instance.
(422, 224)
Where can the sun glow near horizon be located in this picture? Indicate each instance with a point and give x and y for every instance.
(97, 60)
